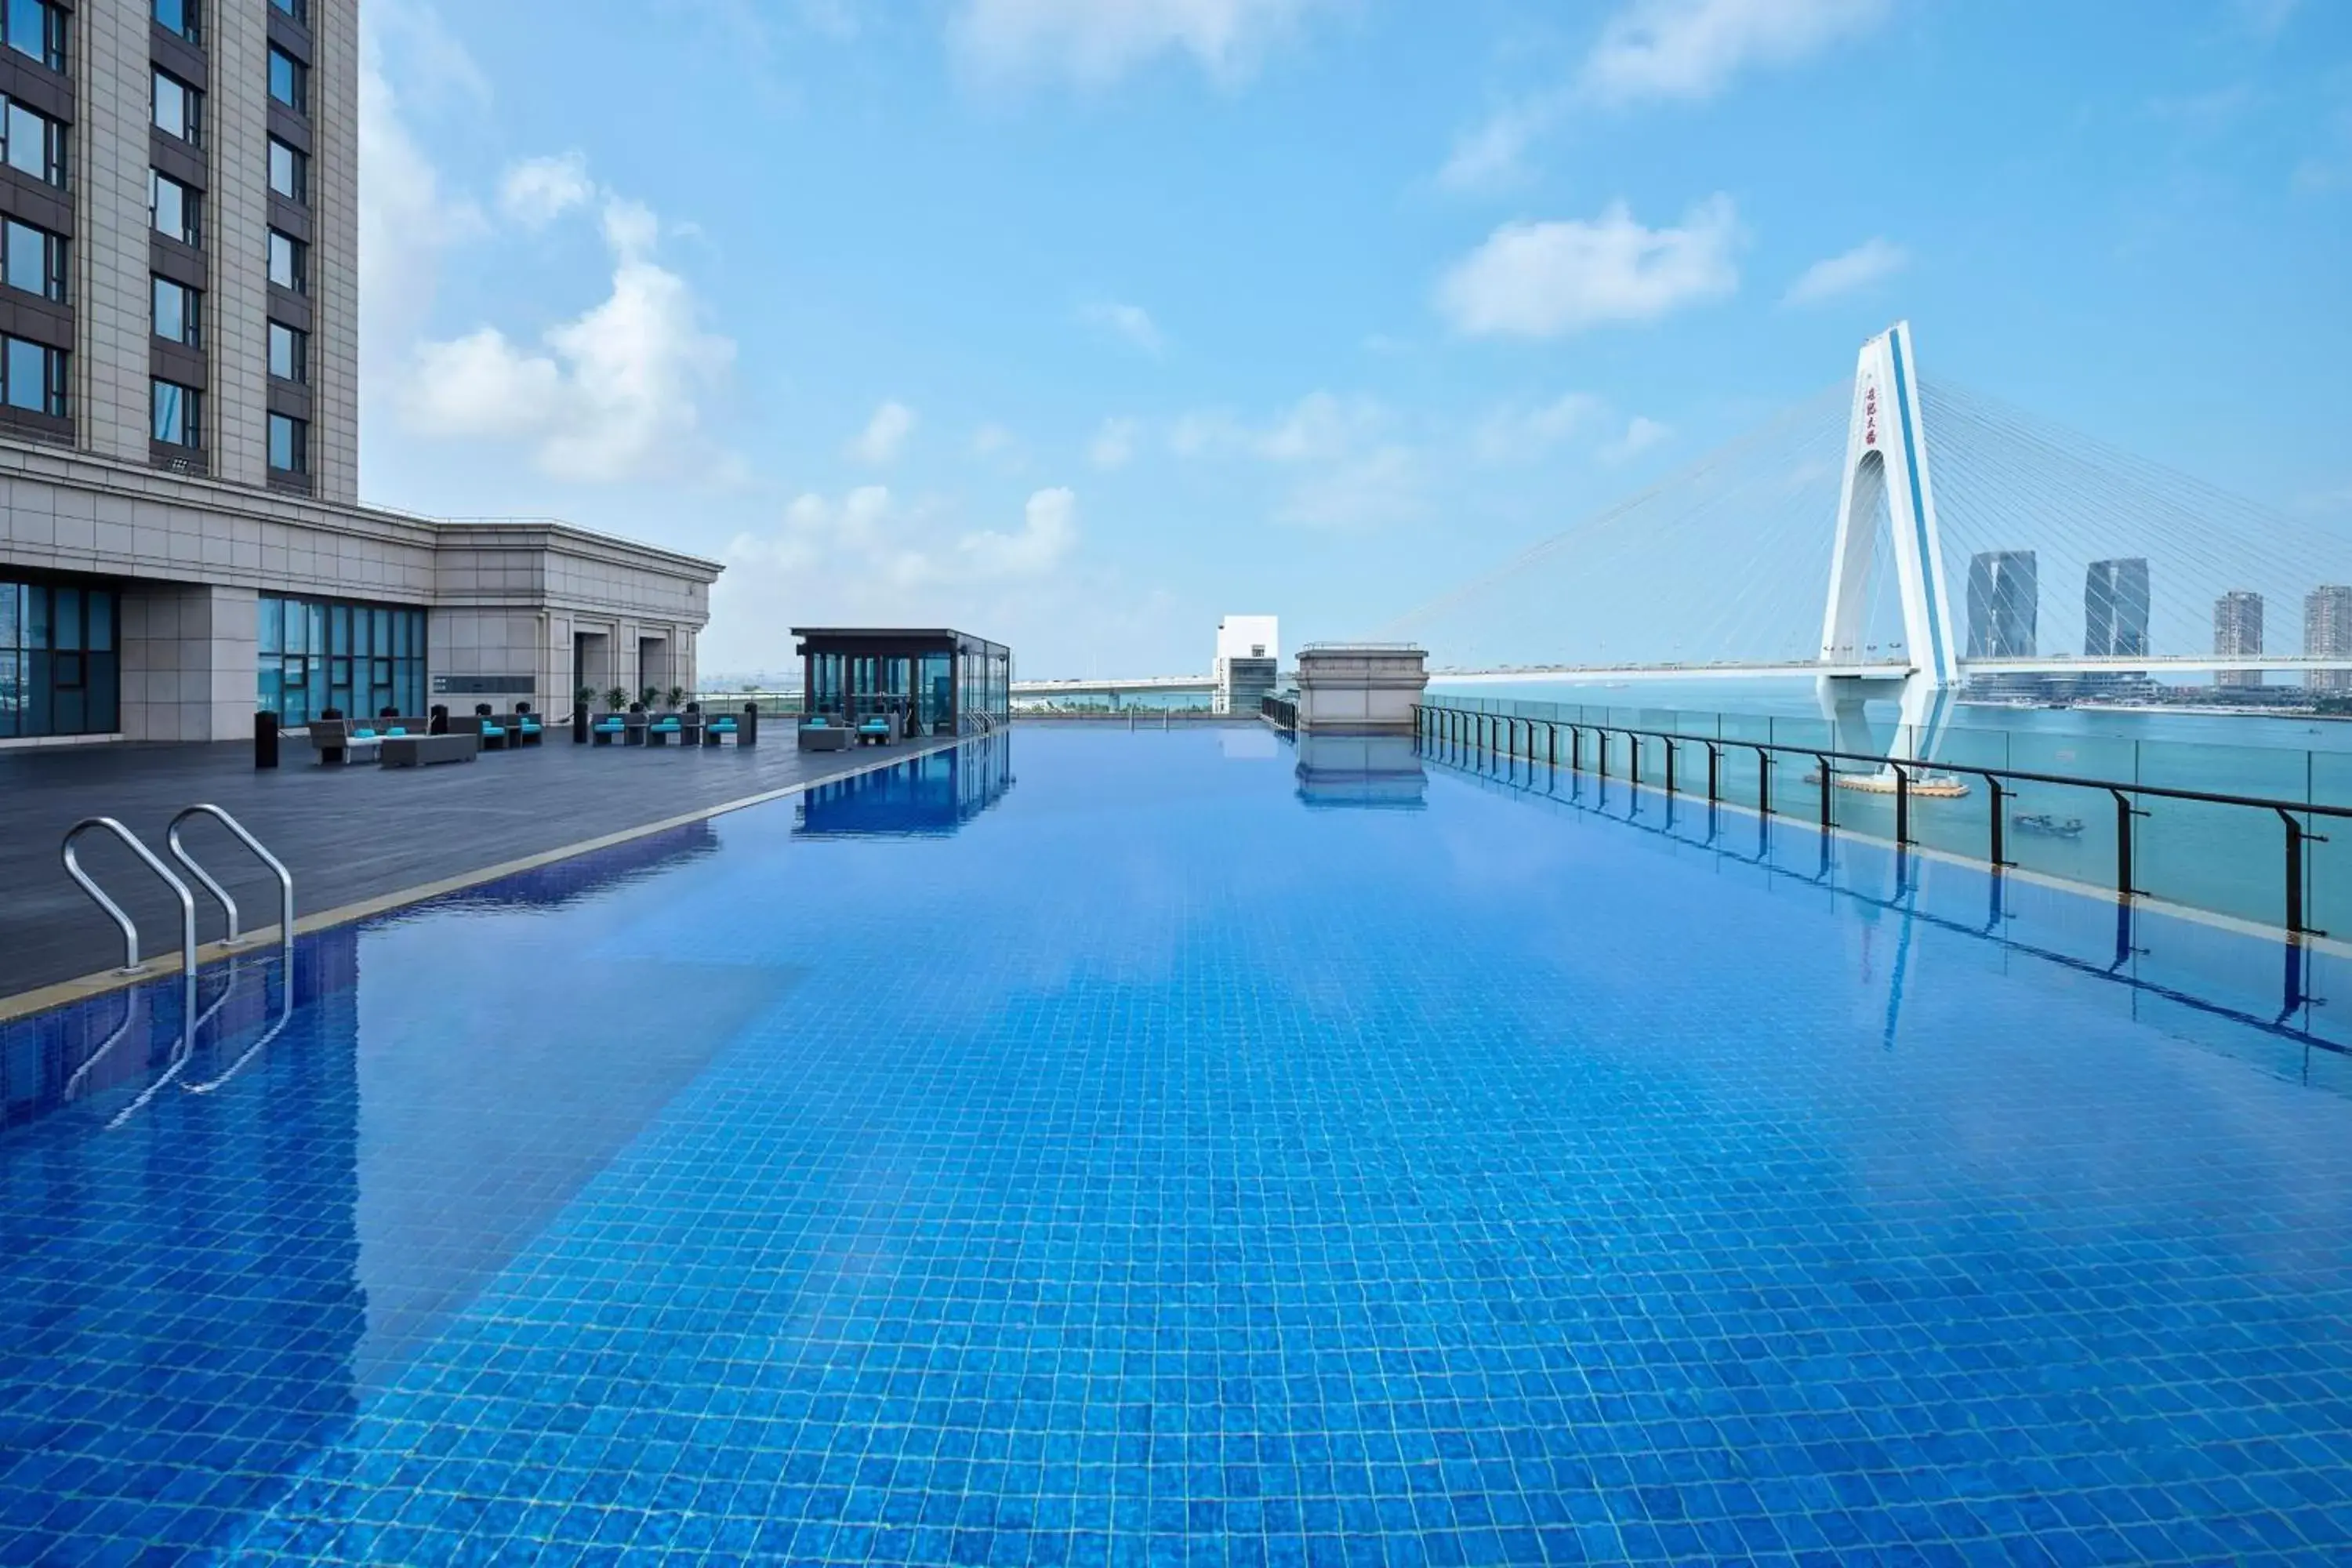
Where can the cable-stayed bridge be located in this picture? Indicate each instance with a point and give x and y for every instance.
(1899, 538)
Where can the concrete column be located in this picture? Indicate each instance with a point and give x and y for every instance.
(108, 168)
(189, 662)
(237, 238)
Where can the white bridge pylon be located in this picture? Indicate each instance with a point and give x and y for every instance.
(1886, 472)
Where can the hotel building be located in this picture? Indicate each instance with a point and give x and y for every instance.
(181, 541)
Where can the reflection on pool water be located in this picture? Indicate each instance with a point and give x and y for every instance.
(1205, 1151)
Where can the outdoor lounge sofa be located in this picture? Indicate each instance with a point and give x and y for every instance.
(878, 730)
(423, 751)
(607, 730)
(662, 730)
(337, 740)
(719, 727)
(819, 734)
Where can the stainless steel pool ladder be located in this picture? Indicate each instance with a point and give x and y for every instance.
(190, 1021)
(227, 904)
(131, 931)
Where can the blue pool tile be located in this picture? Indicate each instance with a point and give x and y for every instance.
(1165, 1169)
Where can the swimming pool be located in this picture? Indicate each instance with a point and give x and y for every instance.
(1164, 1147)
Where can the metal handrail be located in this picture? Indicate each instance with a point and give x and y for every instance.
(228, 905)
(1479, 734)
(2295, 997)
(129, 931)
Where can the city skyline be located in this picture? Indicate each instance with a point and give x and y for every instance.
(1074, 323)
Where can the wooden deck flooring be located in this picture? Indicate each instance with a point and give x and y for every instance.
(348, 833)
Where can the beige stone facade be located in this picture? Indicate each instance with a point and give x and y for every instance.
(172, 552)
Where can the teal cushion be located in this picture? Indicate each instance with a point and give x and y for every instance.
(529, 728)
(363, 734)
(396, 730)
(492, 729)
(724, 726)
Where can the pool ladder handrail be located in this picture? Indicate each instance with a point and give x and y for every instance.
(228, 904)
(113, 910)
(131, 931)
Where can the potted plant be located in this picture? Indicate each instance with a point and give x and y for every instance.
(649, 697)
(585, 697)
(616, 698)
(674, 696)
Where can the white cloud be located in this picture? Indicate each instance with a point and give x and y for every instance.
(1093, 43)
(537, 191)
(1048, 535)
(1871, 261)
(1130, 324)
(1544, 280)
(1114, 444)
(1518, 435)
(1371, 490)
(1493, 156)
(1642, 433)
(615, 394)
(885, 435)
(1691, 48)
(406, 219)
(1346, 469)
(433, 62)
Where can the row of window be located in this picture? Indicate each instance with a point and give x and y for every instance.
(179, 421)
(316, 653)
(182, 17)
(176, 212)
(179, 107)
(60, 668)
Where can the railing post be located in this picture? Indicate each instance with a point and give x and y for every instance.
(1575, 747)
(2124, 814)
(1763, 779)
(1552, 744)
(2000, 823)
(1670, 768)
(1633, 759)
(2296, 837)
(1824, 762)
(1714, 767)
(1902, 805)
(1601, 734)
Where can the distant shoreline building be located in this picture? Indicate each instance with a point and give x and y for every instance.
(2115, 622)
(2004, 604)
(2327, 634)
(1249, 662)
(2238, 634)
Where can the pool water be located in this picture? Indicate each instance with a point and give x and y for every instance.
(1097, 1147)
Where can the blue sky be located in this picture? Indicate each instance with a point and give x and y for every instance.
(1080, 323)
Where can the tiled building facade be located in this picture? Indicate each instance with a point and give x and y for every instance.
(181, 539)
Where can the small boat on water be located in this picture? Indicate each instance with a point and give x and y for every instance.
(2042, 825)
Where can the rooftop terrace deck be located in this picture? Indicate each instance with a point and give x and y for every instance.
(349, 834)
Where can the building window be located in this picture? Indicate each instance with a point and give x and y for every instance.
(32, 376)
(178, 108)
(286, 268)
(316, 653)
(173, 209)
(290, 444)
(290, 171)
(33, 260)
(33, 143)
(179, 415)
(289, 353)
(178, 313)
(36, 28)
(59, 671)
(179, 16)
(293, 8)
(289, 80)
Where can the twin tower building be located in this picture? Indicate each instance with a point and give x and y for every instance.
(2003, 609)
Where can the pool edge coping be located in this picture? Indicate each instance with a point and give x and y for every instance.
(65, 993)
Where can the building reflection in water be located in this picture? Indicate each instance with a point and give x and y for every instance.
(194, 1303)
(1363, 772)
(922, 797)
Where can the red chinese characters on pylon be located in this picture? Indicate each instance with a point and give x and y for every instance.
(1870, 417)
